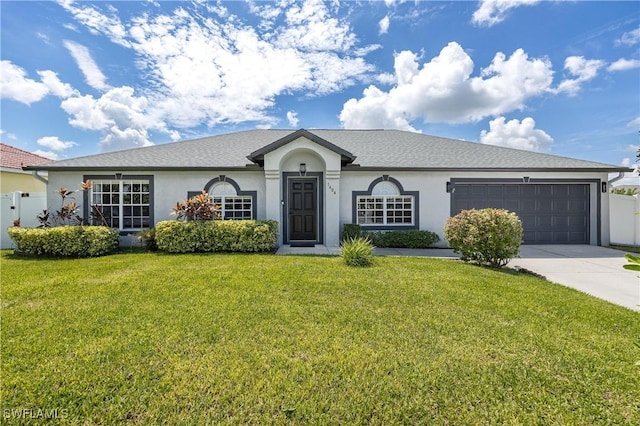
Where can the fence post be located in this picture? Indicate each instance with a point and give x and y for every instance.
(636, 220)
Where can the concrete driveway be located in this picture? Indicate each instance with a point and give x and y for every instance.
(594, 270)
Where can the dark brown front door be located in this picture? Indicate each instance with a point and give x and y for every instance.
(303, 210)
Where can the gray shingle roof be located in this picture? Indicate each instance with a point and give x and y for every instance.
(372, 149)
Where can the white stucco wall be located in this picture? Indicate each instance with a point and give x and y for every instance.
(338, 185)
(169, 186)
(435, 202)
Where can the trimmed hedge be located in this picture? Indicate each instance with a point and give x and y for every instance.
(411, 238)
(175, 236)
(351, 231)
(68, 241)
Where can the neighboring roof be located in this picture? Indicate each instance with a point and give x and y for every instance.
(374, 149)
(15, 158)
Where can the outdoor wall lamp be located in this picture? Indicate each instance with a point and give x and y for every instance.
(303, 169)
(604, 187)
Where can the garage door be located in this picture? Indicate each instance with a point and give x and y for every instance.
(550, 214)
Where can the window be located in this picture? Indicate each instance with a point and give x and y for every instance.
(386, 205)
(122, 204)
(232, 205)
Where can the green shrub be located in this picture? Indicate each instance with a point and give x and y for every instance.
(350, 231)
(217, 236)
(357, 251)
(148, 238)
(68, 241)
(487, 236)
(412, 238)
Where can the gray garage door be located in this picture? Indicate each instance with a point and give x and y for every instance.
(550, 214)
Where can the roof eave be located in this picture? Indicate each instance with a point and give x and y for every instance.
(356, 167)
(258, 155)
(248, 167)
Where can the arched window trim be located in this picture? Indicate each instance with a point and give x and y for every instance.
(240, 193)
(402, 193)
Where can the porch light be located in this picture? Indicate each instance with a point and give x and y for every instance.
(303, 169)
(604, 187)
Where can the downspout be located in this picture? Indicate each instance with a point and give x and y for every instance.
(35, 174)
(615, 179)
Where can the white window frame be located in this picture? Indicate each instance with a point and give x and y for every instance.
(368, 205)
(231, 205)
(386, 205)
(137, 200)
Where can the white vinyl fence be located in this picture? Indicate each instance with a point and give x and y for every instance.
(624, 222)
(20, 205)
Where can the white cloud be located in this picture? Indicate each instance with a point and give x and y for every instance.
(123, 118)
(54, 143)
(11, 136)
(635, 122)
(55, 86)
(516, 134)
(491, 12)
(630, 37)
(624, 65)
(443, 90)
(583, 70)
(214, 72)
(205, 70)
(92, 74)
(292, 117)
(96, 21)
(15, 85)
(45, 38)
(626, 162)
(383, 25)
(46, 154)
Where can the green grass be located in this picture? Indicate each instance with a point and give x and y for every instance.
(145, 338)
(628, 249)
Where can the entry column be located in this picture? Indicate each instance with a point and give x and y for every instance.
(274, 199)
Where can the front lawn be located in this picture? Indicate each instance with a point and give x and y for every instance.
(261, 339)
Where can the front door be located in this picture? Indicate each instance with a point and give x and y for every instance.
(303, 210)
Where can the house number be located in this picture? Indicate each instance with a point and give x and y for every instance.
(331, 188)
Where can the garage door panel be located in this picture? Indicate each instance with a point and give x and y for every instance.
(543, 221)
(577, 205)
(511, 205)
(511, 191)
(544, 190)
(561, 206)
(544, 206)
(550, 213)
(526, 205)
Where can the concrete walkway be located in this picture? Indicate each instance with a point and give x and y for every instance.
(593, 270)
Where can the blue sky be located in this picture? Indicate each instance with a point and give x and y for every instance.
(562, 77)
